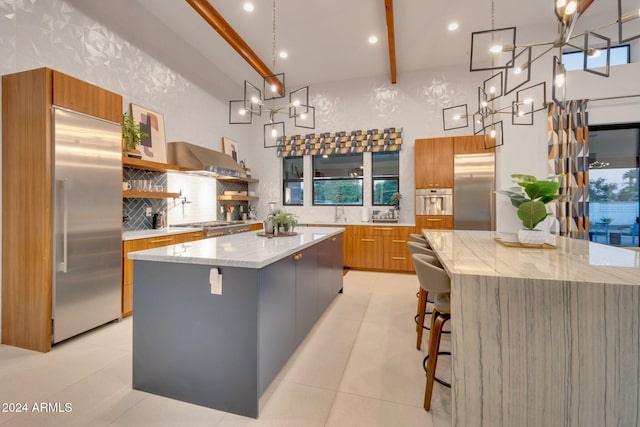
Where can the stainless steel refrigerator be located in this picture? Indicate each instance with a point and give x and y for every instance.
(474, 191)
(87, 220)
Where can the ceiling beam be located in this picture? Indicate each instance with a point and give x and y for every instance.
(391, 37)
(226, 31)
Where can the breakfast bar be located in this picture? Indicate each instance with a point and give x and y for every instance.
(217, 319)
(542, 336)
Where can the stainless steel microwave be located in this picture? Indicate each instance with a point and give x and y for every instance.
(436, 201)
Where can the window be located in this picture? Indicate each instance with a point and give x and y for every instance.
(337, 180)
(575, 60)
(385, 167)
(293, 181)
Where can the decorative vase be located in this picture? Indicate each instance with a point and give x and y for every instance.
(532, 237)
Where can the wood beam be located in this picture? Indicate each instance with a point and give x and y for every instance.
(226, 31)
(391, 37)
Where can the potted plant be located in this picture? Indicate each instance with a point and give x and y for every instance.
(395, 199)
(284, 222)
(531, 204)
(132, 136)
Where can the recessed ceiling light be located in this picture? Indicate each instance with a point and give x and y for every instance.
(283, 54)
(248, 6)
(373, 39)
(453, 26)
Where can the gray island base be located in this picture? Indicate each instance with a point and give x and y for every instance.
(223, 351)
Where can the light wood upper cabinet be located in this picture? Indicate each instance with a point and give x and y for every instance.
(76, 95)
(470, 144)
(433, 161)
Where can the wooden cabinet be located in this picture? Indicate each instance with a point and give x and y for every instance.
(380, 248)
(444, 222)
(255, 227)
(27, 98)
(367, 252)
(433, 163)
(470, 144)
(139, 245)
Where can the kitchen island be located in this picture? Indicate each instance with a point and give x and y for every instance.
(542, 337)
(216, 319)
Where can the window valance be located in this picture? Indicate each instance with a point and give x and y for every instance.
(345, 142)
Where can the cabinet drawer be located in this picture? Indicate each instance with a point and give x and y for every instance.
(394, 245)
(189, 237)
(398, 262)
(444, 222)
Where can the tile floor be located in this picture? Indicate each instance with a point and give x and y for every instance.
(357, 367)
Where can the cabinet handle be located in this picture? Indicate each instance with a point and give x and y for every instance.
(398, 257)
(297, 257)
(434, 219)
(398, 241)
(160, 240)
(367, 240)
(382, 228)
(333, 239)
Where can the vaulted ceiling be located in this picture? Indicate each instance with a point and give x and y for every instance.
(326, 39)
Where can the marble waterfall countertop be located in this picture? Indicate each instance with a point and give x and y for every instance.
(476, 252)
(247, 250)
(541, 336)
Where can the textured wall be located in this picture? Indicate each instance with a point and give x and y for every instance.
(415, 103)
(52, 33)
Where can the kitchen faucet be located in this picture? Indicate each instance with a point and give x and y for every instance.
(339, 214)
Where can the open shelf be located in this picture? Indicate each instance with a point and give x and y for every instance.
(235, 179)
(149, 165)
(130, 194)
(237, 198)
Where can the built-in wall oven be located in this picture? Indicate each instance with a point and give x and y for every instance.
(434, 201)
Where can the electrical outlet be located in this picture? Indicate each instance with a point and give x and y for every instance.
(147, 212)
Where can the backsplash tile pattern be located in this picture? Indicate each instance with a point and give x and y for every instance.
(238, 206)
(134, 209)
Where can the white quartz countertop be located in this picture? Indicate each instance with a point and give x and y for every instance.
(247, 250)
(477, 253)
(144, 234)
(343, 223)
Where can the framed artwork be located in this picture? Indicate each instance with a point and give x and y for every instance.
(230, 148)
(154, 146)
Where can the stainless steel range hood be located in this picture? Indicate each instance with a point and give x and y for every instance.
(203, 161)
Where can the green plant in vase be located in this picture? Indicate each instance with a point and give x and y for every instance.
(531, 204)
(132, 136)
(284, 221)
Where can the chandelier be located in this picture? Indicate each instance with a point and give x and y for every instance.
(497, 50)
(257, 101)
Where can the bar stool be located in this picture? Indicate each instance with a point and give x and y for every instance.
(433, 279)
(418, 238)
(417, 248)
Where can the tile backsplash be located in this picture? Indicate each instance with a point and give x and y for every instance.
(134, 209)
(198, 195)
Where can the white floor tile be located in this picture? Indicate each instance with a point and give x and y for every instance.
(350, 410)
(358, 366)
(155, 410)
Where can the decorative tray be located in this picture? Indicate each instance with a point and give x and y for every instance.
(524, 245)
(287, 234)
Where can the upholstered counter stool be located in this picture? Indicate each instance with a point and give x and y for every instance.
(418, 248)
(433, 279)
(418, 238)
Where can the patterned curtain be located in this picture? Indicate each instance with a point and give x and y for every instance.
(568, 144)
